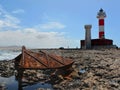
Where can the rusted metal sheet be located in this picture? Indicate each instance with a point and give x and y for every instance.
(42, 60)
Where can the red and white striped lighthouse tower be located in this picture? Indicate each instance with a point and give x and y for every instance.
(101, 15)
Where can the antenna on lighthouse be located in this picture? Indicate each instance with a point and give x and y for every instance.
(101, 15)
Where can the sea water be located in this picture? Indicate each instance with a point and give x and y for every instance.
(10, 83)
(8, 54)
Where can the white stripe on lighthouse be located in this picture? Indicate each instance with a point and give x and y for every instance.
(101, 28)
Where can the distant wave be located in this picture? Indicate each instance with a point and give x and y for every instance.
(8, 54)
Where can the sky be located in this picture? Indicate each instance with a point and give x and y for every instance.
(55, 23)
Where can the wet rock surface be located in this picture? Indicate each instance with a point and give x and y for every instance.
(7, 68)
(93, 70)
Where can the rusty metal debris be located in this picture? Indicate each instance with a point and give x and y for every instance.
(42, 60)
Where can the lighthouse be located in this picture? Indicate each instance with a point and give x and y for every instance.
(100, 42)
(101, 15)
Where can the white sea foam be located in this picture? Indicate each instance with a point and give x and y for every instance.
(8, 54)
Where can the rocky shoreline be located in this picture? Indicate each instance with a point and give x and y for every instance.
(7, 68)
(93, 70)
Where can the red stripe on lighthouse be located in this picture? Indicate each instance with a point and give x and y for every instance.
(101, 34)
(101, 22)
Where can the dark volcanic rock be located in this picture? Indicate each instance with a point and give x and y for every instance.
(7, 68)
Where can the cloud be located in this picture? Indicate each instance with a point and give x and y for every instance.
(8, 21)
(11, 33)
(32, 38)
(51, 25)
(2, 11)
(18, 11)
